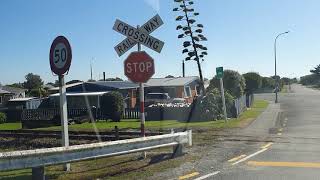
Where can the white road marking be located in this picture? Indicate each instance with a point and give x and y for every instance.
(267, 145)
(208, 175)
(250, 156)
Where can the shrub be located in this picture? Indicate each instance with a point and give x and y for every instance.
(233, 83)
(3, 118)
(112, 105)
(210, 106)
(311, 79)
(253, 81)
(268, 82)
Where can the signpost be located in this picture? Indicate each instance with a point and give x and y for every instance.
(219, 72)
(139, 66)
(138, 35)
(60, 60)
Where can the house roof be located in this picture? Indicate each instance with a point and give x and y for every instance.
(177, 81)
(4, 92)
(13, 89)
(67, 86)
(82, 94)
(116, 84)
(22, 99)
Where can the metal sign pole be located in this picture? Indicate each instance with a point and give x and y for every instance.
(223, 101)
(142, 115)
(64, 116)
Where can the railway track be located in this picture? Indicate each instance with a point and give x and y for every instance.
(77, 135)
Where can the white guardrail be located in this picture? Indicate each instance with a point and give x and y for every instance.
(39, 158)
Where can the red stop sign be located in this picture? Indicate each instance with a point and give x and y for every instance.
(139, 67)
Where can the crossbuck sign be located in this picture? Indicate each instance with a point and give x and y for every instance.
(141, 35)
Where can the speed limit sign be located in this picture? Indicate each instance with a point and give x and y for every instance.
(60, 55)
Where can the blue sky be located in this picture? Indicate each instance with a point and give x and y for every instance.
(240, 36)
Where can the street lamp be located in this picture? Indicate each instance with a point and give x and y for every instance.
(275, 64)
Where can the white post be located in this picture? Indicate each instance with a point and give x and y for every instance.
(142, 114)
(223, 101)
(64, 116)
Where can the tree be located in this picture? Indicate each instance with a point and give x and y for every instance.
(169, 76)
(16, 85)
(191, 30)
(253, 81)
(233, 82)
(267, 82)
(316, 70)
(310, 79)
(91, 80)
(33, 81)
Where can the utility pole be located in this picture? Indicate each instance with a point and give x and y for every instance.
(275, 64)
(91, 69)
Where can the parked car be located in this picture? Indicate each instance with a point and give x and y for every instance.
(154, 98)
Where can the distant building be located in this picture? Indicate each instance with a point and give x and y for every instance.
(7, 93)
(79, 94)
(177, 87)
(88, 94)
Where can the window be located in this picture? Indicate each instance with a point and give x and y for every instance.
(187, 91)
(197, 87)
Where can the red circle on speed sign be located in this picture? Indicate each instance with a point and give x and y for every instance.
(60, 55)
(139, 67)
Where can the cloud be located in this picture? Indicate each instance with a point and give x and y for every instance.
(155, 4)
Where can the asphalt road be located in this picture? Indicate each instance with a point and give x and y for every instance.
(293, 152)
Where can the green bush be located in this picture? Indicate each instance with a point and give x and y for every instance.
(3, 118)
(311, 79)
(233, 82)
(253, 81)
(210, 106)
(112, 105)
(268, 82)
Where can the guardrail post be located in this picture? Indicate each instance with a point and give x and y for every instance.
(116, 131)
(38, 173)
(177, 150)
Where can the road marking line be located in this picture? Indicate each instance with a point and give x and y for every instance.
(250, 156)
(267, 145)
(188, 175)
(208, 175)
(237, 158)
(285, 164)
(279, 134)
(281, 129)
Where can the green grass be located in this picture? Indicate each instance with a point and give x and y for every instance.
(250, 114)
(127, 167)
(10, 126)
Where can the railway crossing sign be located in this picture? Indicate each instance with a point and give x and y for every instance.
(139, 67)
(138, 35)
(60, 55)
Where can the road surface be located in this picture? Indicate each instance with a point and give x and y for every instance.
(294, 148)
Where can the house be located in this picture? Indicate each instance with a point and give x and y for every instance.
(78, 94)
(176, 87)
(24, 103)
(7, 93)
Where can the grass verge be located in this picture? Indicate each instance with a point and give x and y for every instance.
(129, 167)
(245, 117)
